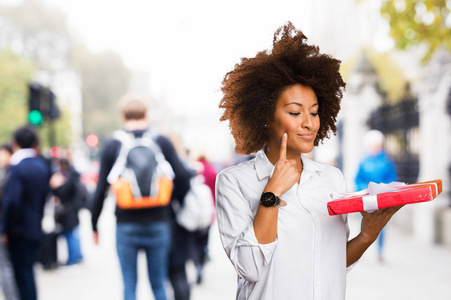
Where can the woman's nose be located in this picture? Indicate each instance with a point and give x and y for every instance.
(307, 121)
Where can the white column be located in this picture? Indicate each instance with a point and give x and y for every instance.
(360, 100)
(435, 146)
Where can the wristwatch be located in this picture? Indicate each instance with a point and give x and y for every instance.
(268, 199)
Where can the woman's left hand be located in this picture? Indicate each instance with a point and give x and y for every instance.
(372, 223)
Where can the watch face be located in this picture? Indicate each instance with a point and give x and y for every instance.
(268, 199)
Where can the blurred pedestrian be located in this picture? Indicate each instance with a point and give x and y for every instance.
(377, 167)
(5, 156)
(7, 281)
(272, 210)
(209, 173)
(25, 193)
(201, 237)
(182, 243)
(138, 163)
(71, 197)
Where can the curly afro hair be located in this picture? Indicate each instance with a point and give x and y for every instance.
(252, 88)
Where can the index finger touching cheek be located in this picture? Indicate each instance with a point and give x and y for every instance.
(283, 146)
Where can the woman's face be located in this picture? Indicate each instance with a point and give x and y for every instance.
(296, 114)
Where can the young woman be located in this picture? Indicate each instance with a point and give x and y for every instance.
(272, 210)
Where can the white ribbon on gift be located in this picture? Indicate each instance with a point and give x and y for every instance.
(370, 201)
(369, 195)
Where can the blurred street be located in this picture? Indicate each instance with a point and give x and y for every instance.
(409, 271)
(99, 276)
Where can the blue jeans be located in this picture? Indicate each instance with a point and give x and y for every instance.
(24, 254)
(155, 239)
(73, 246)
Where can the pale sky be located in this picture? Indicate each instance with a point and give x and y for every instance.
(185, 46)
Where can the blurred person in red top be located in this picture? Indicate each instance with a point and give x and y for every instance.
(209, 172)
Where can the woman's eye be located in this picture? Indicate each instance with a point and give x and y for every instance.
(294, 113)
(314, 114)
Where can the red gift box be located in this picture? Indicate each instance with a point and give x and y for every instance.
(397, 195)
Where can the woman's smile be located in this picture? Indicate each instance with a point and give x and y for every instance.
(307, 136)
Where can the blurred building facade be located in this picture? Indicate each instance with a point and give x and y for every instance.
(417, 130)
(417, 127)
(431, 220)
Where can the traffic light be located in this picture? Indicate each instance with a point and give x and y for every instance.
(34, 96)
(35, 117)
(54, 112)
(41, 99)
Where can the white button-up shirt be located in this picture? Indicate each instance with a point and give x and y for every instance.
(308, 258)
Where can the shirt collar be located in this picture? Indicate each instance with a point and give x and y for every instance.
(21, 154)
(264, 167)
(311, 165)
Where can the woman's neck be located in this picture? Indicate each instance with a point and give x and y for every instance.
(273, 155)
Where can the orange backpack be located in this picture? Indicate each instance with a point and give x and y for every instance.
(141, 177)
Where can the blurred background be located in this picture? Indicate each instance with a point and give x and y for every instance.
(64, 65)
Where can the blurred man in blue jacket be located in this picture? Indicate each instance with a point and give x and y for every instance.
(22, 207)
(377, 167)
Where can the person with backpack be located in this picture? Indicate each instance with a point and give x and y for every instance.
(145, 173)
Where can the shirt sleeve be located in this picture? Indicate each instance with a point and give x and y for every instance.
(107, 160)
(235, 222)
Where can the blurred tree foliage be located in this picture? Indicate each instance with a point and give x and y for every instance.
(15, 73)
(105, 78)
(390, 76)
(38, 32)
(414, 22)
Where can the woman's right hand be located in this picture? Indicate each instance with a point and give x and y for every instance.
(285, 174)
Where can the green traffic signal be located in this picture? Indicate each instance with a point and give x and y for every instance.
(35, 117)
